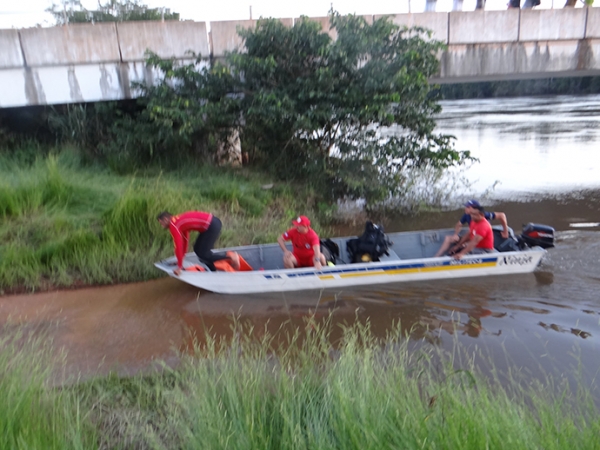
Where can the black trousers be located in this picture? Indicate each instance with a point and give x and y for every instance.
(206, 241)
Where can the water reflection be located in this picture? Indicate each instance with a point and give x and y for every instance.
(576, 331)
(543, 277)
(527, 144)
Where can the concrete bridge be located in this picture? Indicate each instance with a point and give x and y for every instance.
(88, 63)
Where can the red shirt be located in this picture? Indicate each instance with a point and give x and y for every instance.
(181, 226)
(302, 243)
(483, 229)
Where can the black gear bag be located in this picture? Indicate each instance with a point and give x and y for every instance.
(370, 246)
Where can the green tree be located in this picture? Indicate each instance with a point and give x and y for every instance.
(71, 11)
(350, 116)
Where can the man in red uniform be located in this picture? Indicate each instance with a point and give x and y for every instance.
(466, 220)
(479, 239)
(305, 243)
(180, 226)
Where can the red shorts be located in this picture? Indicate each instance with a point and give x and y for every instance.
(305, 261)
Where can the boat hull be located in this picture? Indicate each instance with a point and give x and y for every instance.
(372, 273)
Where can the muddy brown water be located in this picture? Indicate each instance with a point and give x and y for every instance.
(546, 322)
(543, 322)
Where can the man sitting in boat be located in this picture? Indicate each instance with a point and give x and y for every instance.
(305, 243)
(466, 220)
(180, 226)
(479, 239)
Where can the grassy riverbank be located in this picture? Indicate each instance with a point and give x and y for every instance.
(65, 224)
(359, 394)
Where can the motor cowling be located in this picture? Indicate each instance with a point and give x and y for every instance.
(535, 234)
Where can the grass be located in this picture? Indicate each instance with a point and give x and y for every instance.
(34, 415)
(66, 224)
(311, 393)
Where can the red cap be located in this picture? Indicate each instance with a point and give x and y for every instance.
(302, 221)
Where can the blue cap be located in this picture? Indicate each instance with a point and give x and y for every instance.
(473, 204)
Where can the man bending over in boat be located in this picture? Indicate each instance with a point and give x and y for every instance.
(180, 226)
(466, 220)
(305, 243)
(479, 239)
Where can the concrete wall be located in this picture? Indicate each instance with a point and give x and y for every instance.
(10, 53)
(480, 27)
(12, 88)
(70, 84)
(592, 27)
(168, 39)
(553, 24)
(85, 63)
(520, 60)
(75, 44)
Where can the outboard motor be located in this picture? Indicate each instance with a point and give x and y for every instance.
(535, 234)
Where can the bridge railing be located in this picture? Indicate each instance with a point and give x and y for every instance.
(92, 62)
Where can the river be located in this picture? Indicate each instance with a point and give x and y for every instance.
(542, 156)
(546, 145)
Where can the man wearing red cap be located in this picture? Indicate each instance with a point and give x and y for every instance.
(305, 243)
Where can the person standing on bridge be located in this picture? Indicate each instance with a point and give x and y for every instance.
(466, 220)
(206, 224)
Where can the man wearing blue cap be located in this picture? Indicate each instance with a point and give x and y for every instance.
(466, 220)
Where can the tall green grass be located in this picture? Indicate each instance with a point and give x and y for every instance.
(304, 390)
(358, 393)
(63, 223)
(34, 415)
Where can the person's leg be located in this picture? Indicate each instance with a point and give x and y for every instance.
(448, 242)
(289, 261)
(305, 261)
(206, 241)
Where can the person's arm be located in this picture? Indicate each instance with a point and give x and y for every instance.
(457, 228)
(281, 242)
(470, 246)
(180, 243)
(460, 243)
(501, 217)
(317, 256)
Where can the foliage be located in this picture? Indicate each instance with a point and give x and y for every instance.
(84, 125)
(32, 415)
(121, 135)
(71, 11)
(191, 106)
(64, 223)
(347, 116)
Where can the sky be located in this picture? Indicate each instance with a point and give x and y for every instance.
(30, 13)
